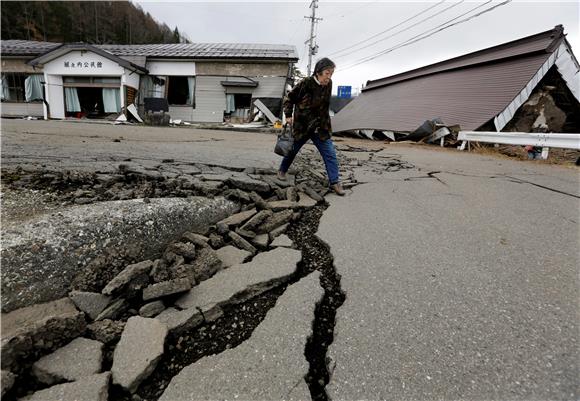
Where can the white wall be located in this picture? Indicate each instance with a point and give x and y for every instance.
(131, 79)
(58, 67)
(10, 109)
(179, 68)
(54, 95)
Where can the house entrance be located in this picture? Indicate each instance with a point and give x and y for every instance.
(91, 97)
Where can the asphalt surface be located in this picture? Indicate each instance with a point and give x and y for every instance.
(461, 275)
(103, 146)
(461, 286)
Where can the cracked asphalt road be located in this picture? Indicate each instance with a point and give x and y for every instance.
(461, 275)
(460, 284)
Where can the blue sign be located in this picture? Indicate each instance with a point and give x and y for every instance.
(344, 91)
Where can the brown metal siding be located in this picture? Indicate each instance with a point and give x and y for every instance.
(469, 97)
(531, 44)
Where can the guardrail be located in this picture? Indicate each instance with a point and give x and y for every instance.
(544, 140)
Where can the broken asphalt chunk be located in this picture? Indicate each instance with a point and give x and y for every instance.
(79, 358)
(242, 243)
(237, 219)
(40, 327)
(230, 255)
(130, 272)
(241, 282)
(180, 320)
(166, 288)
(248, 184)
(138, 352)
(91, 388)
(92, 303)
(270, 365)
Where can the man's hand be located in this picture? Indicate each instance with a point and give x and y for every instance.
(289, 120)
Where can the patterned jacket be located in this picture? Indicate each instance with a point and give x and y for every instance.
(308, 102)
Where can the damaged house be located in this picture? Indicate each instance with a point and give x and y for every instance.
(527, 85)
(199, 82)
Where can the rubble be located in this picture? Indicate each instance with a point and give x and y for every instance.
(41, 257)
(129, 273)
(274, 221)
(209, 263)
(91, 303)
(138, 351)
(114, 310)
(241, 243)
(206, 265)
(106, 331)
(79, 358)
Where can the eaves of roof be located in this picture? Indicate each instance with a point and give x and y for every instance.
(66, 48)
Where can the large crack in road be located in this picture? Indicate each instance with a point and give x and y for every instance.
(316, 255)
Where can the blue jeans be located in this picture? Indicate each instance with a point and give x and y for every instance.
(327, 151)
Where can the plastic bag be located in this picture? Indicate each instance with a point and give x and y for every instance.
(285, 142)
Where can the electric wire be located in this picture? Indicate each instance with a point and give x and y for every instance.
(423, 36)
(393, 27)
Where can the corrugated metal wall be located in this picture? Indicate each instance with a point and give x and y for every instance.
(210, 99)
(22, 109)
(469, 97)
(269, 87)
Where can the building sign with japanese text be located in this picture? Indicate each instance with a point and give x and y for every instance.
(83, 64)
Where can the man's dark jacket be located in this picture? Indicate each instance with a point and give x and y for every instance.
(308, 103)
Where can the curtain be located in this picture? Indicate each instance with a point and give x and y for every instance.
(4, 92)
(112, 100)
(33, 87)
(150, 89)
(230, 103)
(146, 87)
(71, 98)
(191, 92)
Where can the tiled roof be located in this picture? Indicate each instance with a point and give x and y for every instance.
(175, 50)
(25, 47)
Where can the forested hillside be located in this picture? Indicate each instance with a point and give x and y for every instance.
(97, 22)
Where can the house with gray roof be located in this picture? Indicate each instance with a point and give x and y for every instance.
(197, 82)
(523, 85)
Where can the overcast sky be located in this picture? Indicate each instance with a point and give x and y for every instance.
(346, 24)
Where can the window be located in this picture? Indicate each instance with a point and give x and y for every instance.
(181, 91)
(109, 82)
(20, 87)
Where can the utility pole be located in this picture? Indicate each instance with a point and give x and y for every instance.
(312, 46)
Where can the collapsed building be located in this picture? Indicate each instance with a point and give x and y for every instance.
(196, 82)
(527, 85)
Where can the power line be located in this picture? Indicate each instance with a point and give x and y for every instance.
(424, 35)
(393, 27)
(410, 27)
(354, 12)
